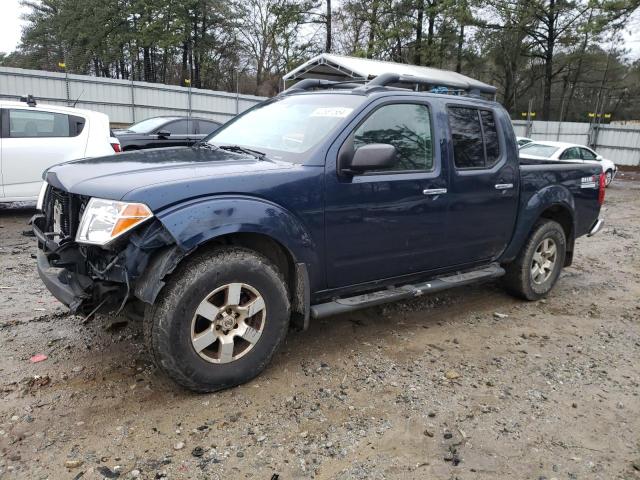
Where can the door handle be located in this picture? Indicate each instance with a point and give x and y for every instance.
(504, 186)
(434, 191)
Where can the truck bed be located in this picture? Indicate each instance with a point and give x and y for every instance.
(579, 181)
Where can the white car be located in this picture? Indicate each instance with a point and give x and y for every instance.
(523, 141)
(35, 137)
(568, 152)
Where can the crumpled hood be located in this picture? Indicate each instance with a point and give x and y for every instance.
(114, 176)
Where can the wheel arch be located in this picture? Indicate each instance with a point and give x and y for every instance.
(552, 203)
(210, 224)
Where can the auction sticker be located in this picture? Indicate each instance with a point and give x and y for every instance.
(337, 112)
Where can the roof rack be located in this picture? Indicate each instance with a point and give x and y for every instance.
(438, 85)
(451, 84)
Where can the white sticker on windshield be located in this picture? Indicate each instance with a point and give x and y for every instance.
(338, 112)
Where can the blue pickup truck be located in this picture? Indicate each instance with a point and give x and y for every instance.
(325, 199)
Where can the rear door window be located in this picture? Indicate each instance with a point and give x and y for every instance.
(587, 154)
(207, 127)
(38, 124)
(474, 134)
(572, 153)
(491, 140)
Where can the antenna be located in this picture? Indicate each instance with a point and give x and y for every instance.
(76, 102)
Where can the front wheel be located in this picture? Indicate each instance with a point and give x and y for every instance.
(535, 271)
(608, 177)
(219, 319)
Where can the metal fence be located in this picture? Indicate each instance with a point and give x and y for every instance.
(124, 101)
(619, 143)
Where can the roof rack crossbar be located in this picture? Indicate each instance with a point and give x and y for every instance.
(387, 79)
(312, 83)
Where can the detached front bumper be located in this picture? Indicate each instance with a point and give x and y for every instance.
(64, 285)
(89, 278)
(66, 272)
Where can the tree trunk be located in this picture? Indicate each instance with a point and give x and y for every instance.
(146, 58)
(459, 52)
(417, 54)
(327, 46)
(430, 29)
(373, 23)
(548, 61)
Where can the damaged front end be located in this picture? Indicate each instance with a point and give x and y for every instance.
(92, 278)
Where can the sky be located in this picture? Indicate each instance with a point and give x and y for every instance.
(10, 24)
(11, 27)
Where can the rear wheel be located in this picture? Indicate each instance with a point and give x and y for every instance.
(219, 320)
(535, 271)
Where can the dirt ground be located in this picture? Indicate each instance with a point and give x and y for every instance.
(471, 384)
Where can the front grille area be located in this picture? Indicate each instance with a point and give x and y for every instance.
(63, 211)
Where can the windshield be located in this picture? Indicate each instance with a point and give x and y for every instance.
(288, 127)
(539, 150)
(148, 125)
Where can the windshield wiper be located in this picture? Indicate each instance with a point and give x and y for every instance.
(249, 151)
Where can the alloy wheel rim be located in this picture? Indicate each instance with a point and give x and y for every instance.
(228, 323)
(544, 261)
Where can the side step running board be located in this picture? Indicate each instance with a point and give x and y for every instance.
(344, 305)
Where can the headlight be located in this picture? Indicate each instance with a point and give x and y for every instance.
(40, 201)
(105, 220)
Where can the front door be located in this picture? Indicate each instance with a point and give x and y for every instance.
(387, 223)
(484, 186)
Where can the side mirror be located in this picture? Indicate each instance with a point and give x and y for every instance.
(163, 133)
(375, 156)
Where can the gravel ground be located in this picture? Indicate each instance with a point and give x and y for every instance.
(472, 384)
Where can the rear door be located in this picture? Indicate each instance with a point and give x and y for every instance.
(34, 140)
(571, 154)
(484, 185)
(387, 223)
(181, 134)
(206, 127)
(588, 155)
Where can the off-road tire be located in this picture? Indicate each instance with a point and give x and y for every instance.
(519, 279)
(167, 323)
